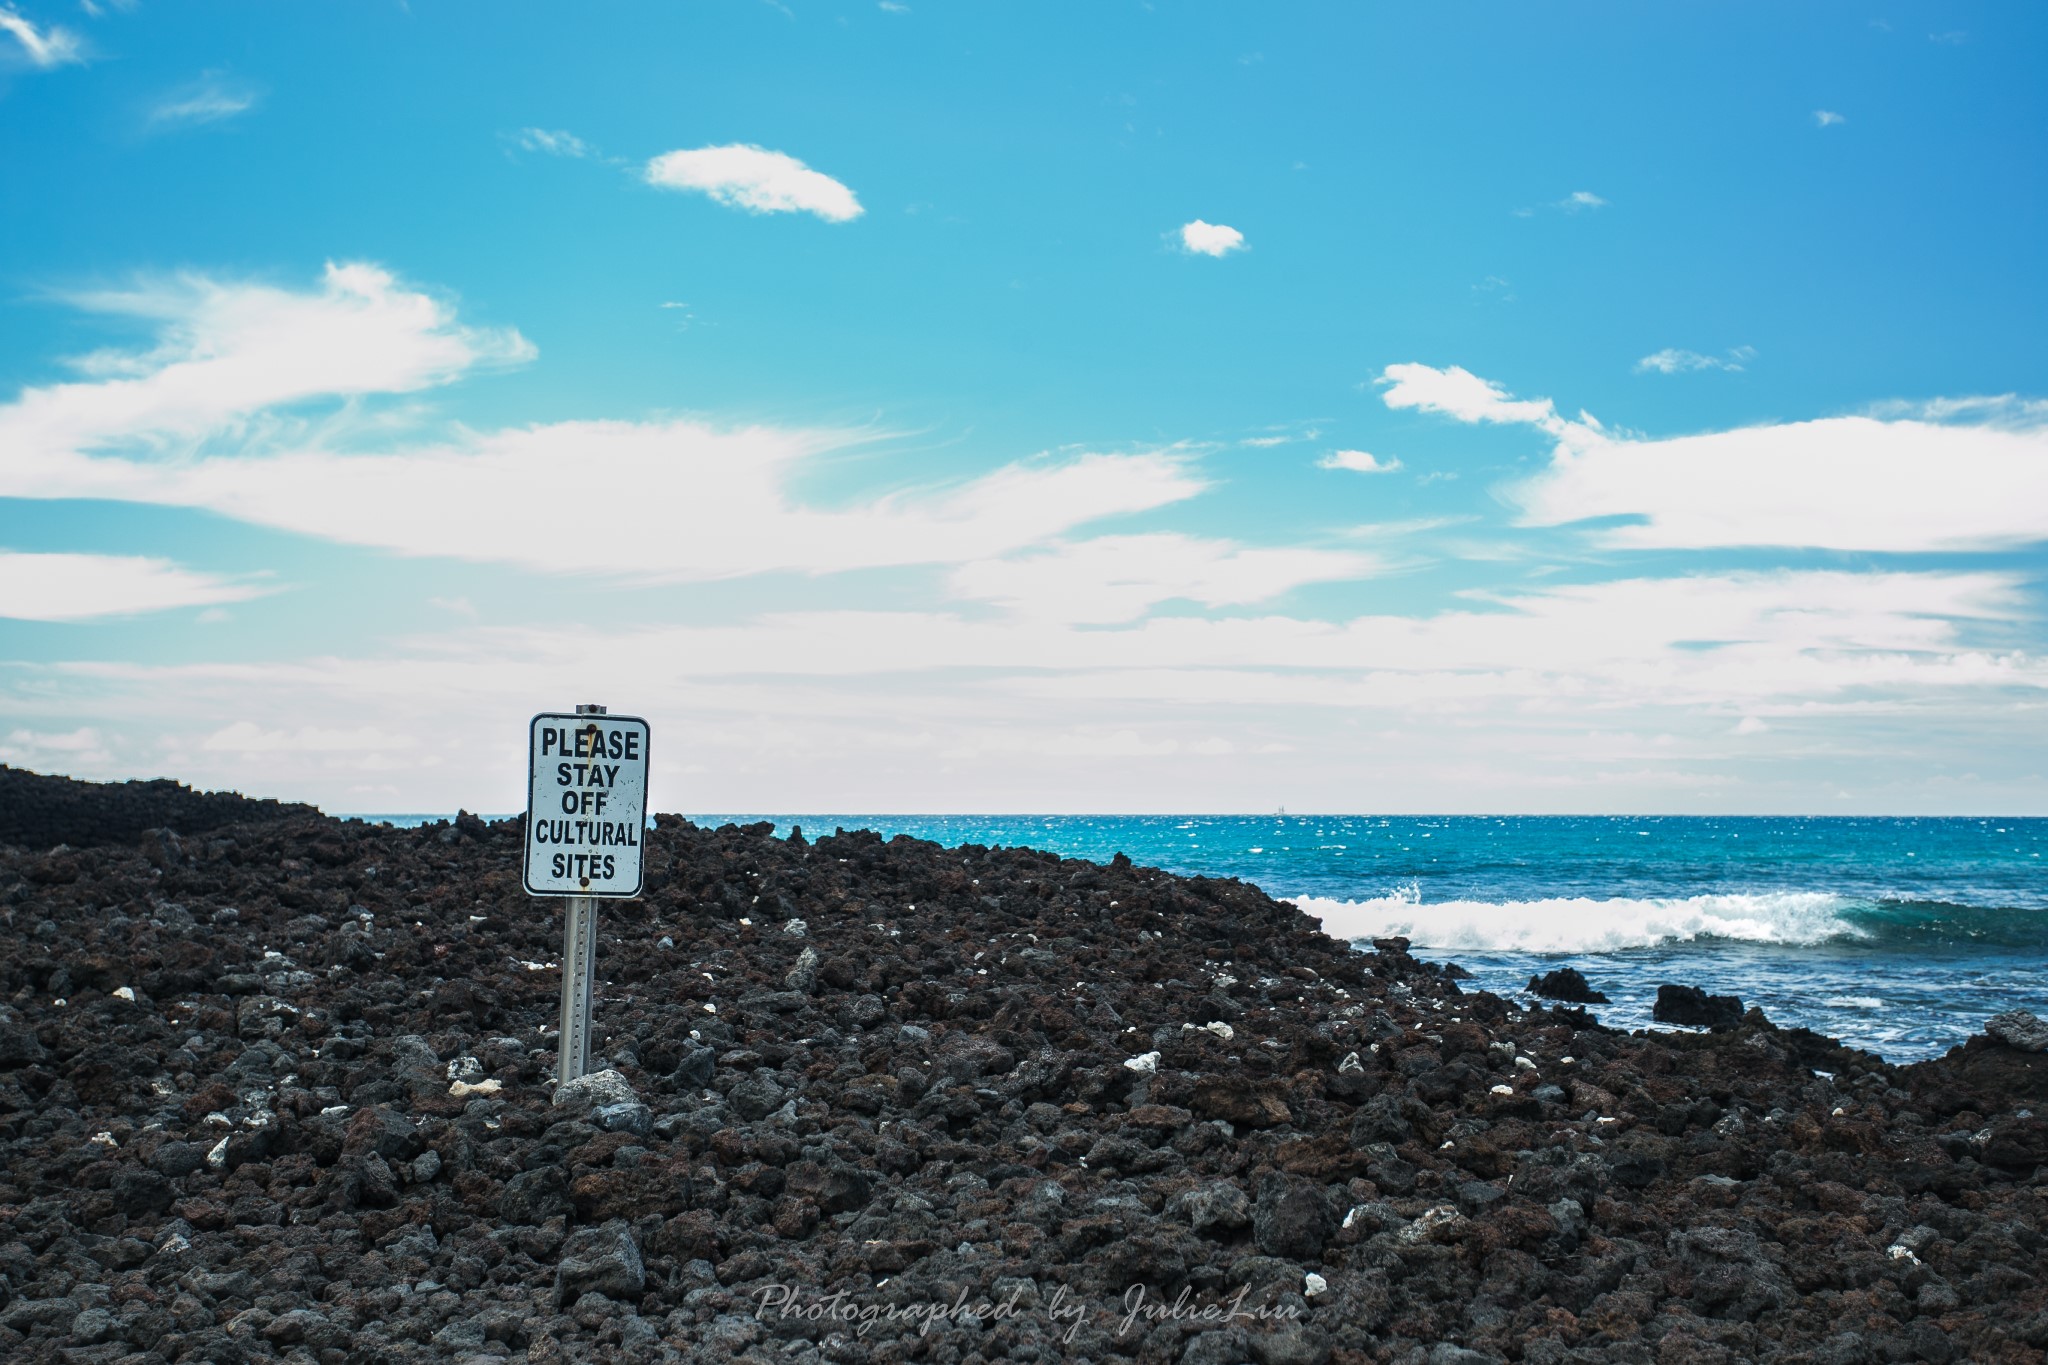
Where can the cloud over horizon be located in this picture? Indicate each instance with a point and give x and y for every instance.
(863, 709)
(1045, 612)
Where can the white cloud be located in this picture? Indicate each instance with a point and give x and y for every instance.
(227, 351)
(1358, 461)
(1121, 578)
(756, 179)
(45, 47)
(1671, 360)
(210, 99)
(1827, 118)
(892, 6)
(686, 499)
(681, 500)
(1210, 239)
(79, 587)
(1750, 725)
(1844, 483)
(1458, 393)
(554, 142)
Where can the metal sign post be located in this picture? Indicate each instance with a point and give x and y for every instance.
(586, 820)
(579, 987)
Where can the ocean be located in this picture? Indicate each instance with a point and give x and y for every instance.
(1896, 935)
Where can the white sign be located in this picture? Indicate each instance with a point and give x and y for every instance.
(586, 805)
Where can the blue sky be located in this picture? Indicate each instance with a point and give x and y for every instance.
(1063, 407)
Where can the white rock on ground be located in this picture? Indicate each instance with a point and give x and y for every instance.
(599, 1087)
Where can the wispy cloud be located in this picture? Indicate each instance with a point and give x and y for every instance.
(1995, 409)
(753, 178)
(892, 7)
(552, 141)
(1578, 201)
(710, 502)
(1827, 118)
(229, 350)
(1280, 434)
(81, 587)
(210, 99)
(1358, 461)
(1671, 360)
(45, 48)
(1111, 579)
(1210, 239)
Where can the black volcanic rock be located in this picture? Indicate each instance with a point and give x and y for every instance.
(1568, 984)
(41, 812)
(1694, 1008)
(323, 1128)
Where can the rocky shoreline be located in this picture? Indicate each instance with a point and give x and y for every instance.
(274, 1085)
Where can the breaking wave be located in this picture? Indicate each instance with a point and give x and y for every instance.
(1586, 925)
(1583, 925)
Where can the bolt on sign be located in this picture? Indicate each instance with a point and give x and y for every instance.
(586, 804)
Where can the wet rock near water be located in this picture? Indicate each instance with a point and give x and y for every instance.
(1567, 984)
(287, 1095)
(1694, 1008)
(2018, 1029)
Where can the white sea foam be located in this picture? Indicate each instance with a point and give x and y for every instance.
(1584, 925)
(1854, 1002)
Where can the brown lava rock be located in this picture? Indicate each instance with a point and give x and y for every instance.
(295, 1104)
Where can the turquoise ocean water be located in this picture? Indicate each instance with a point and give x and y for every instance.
(1901, 935)
(1897, 935)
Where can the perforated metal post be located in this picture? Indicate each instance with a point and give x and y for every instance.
(579, 975)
